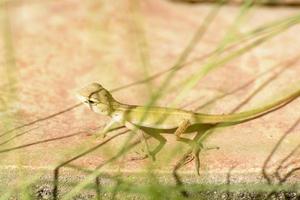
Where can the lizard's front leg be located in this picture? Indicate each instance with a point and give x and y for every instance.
(106, 128)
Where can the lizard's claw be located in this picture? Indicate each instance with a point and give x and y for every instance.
(151, 155)
(193, 155)
(189, 158)
(98, 136)
(101, 135)
(139, 158)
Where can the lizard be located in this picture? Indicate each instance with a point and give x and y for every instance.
(147, 119)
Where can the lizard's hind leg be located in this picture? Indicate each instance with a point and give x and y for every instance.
(194, 143)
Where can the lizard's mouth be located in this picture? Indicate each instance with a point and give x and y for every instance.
(81, 98)
(86, 101)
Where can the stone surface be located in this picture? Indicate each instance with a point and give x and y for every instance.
(60, 46)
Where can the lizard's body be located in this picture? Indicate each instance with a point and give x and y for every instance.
(137, 117)
(154, 117)
(170, 118)
(164, 117)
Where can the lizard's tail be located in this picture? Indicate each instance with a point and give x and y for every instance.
(247, 115)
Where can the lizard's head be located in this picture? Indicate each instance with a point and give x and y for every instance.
(97, 98)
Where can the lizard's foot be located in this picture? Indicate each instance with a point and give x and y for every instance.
(99, 136)
(189, 158)
(152, 155)
(195, 154)
(144, 156)
(139, 158)
(102, 135)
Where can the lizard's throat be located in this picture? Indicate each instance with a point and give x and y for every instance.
(103, 110)
(100, 110)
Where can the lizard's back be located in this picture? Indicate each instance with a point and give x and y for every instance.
(157, 117)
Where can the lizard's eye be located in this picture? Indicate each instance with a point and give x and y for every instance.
(90, 102)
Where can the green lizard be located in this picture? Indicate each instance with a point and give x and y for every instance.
(149, 119)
